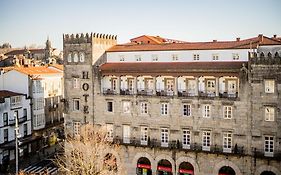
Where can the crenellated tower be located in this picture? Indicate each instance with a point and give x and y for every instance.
(81, 53)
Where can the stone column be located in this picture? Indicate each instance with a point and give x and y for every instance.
(217, 86)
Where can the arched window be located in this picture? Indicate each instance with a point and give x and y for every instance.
(261, 54)
(82, 57)
(276, 55)
(269, 54)
(75, 57)
(69, 57)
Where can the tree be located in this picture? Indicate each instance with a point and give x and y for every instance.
(89, 154)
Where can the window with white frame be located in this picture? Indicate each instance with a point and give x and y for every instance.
(231, 86)
(186, 139)
(206, 111)
(196, 57)
(76, 129)
(269, 86)
(75, 83)
(121, 57)
(75, 57)
(268, 146)
(130, 84)
(186, 110)
(76, 104)
(38, 120)
(37, 86)
(191, 87)
(126, 107)
(211, 85)
(175, 57)
(6, 135)
(126, 133)
(109, 106)
(154, 57)
(227, 112)
(206, 140)
(38, 103)
(138, 57)
(15, 101)
(69, 57)
(114, 84)
(164, 108)
(144, 108)
(109, 132)
(227, 142)
(5, 118)
(269, 113)
(164, 137)
(144, 135)
(215, 56)
(82, 57)
(235, 56)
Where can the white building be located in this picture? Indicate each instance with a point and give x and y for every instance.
(14, 105)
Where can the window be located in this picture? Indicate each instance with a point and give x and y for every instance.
(211, 85)
(206, 111)
(25, 130)
(174, 57)
(16, 114)
(206, 139)
(268, 146)
(126, 107)
(186, 110)
(154, 57)
(164, 108)
(164, 137)
(109, 130)
(109, 106)
(38, 103)
(227, 142)
(114, 84)
(195, 56)
(191, 87)
(38, 120)
(24, 112)
(143, 108)
(121, 58)
(75, 83)
(231, 88)
(76, 105)
(130, 84)
(37, 86)
(227, 112)
(6, 135)
(82, 57)
(75, 57)
(269, 86)
(69, 57)
(126, 134)
(138, 57)
(76, 129)
(269, 113)
(5, 119)
(144, 135)
(215, 56)
(235, 56)
(15, 101)
(186, 139)
(169, 84)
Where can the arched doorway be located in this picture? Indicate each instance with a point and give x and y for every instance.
(226, 170)
(110, 162)
(186, 168)
(144, 166)
(268, 173)
(164, 167)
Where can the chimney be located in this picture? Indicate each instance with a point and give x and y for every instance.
(214, 40)
(260, 37)
(275, 36)
(237, 39)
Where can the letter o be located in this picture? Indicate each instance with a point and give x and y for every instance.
(85, 86)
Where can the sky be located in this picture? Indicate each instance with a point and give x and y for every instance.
(30, 22)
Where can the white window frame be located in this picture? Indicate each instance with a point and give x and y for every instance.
(215, 56)
(126, 107)
(206, 111)
(235, 56)
(268, 146)
(15, 101)
(186, 110)
(144, 108)
(144, 135)
(227, 112)
(186, 138)
(164, 109)
(109, 132)
(75, 107)
(138, 57)
(81, 57)
(206, 140)
(76, 83)
(269, 86)
(164, 137)
(76, 129)
(269, 113)
(227, 142)
(196, 56)
(121, 57)
(69, 57)
(107, 107)
(75, 57)
(154, 57)
(126, 133)
(175, 57)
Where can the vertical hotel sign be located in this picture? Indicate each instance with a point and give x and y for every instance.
(85, 88)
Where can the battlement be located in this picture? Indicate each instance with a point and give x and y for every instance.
(89, 38)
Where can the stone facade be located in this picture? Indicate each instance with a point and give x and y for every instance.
(247, 128)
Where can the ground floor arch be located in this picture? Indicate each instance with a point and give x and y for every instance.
(267, 173)
(226, 170)
(227, 167)
(186, 168)
(267, 170)
(164, 167)
(144, 166)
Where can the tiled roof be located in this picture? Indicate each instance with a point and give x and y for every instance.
(238, 44)
(5, 94)
(39, 70)
(22, 51)
(57, 66)
(170, 67)
(154, 39)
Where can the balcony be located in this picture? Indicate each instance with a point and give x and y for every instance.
(183, 93)
(229, 95)
(164, 92)
(260, 153)
(109, 91)
(145, 92)
(126, 91)
(207, 94)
